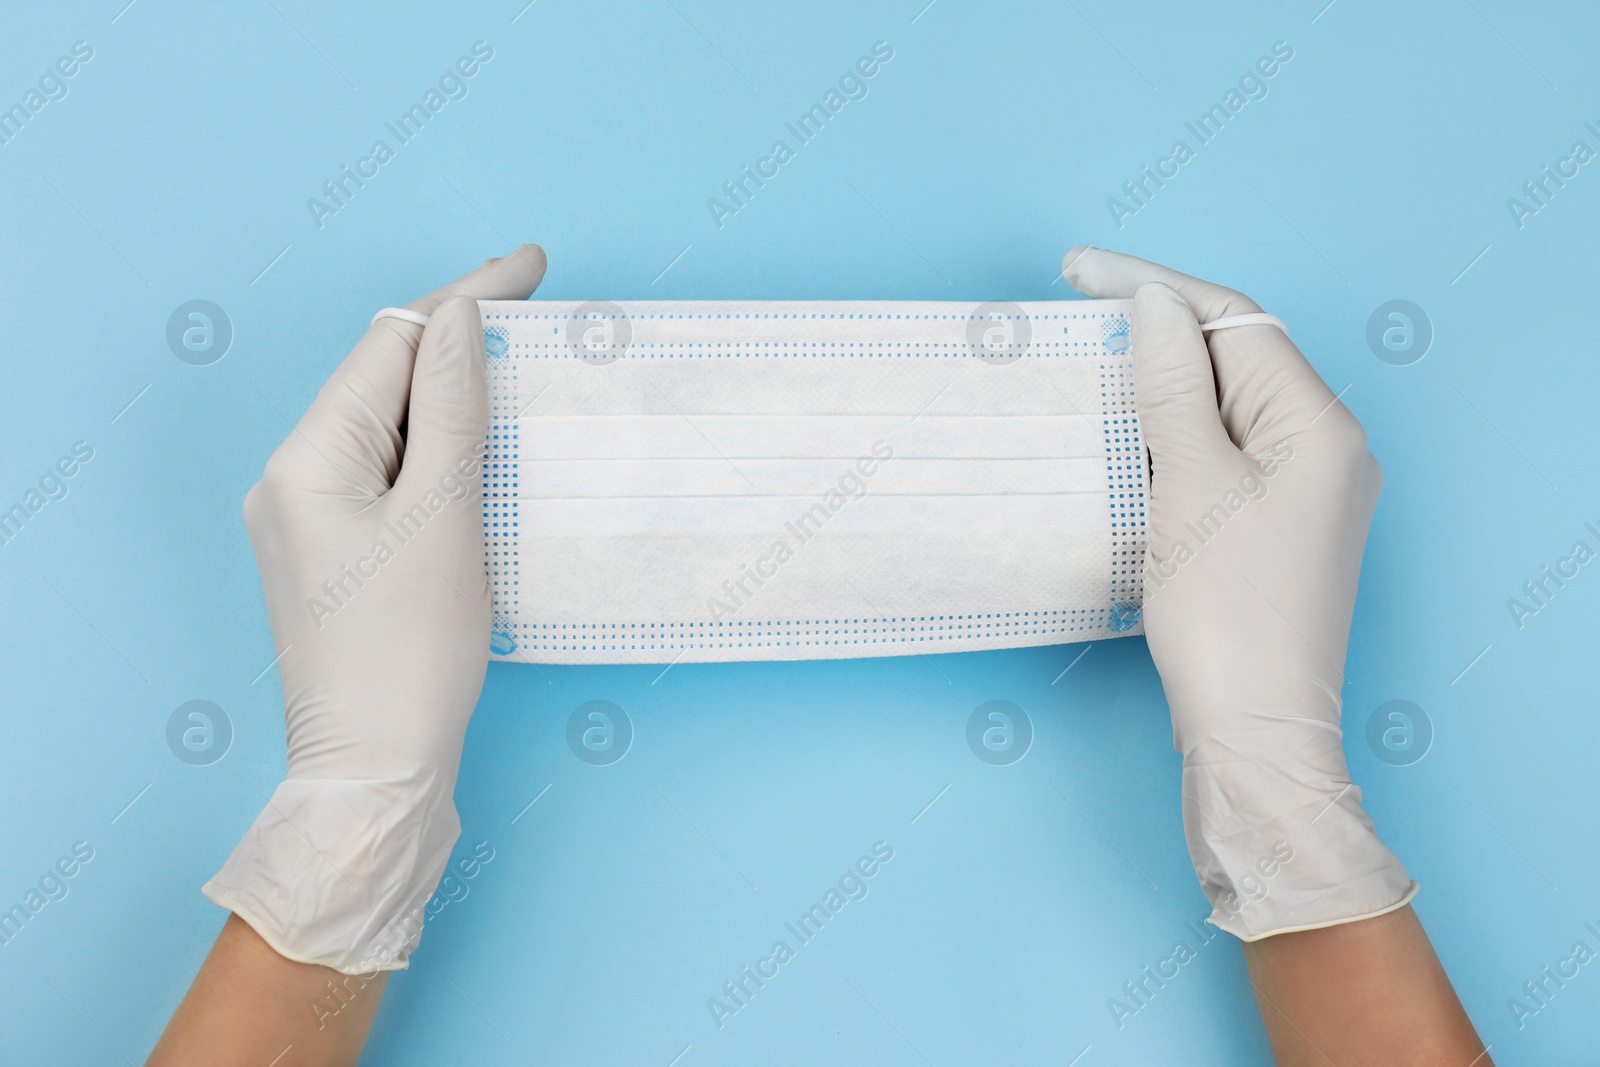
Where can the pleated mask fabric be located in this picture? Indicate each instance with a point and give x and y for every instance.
(703, 481)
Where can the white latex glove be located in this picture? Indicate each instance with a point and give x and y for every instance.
(368, 532)
(1262, 489)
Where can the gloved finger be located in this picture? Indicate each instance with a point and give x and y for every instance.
(1107, 275)
(1177, 396)
(1265, 387)
(512, 277)
(449, 414)
(349, 441)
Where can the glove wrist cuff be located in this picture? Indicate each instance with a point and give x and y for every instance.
(1277, 853)
(337, 872)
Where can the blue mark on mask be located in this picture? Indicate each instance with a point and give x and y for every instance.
(502, 643)
(1124, 617)
(1116, 335)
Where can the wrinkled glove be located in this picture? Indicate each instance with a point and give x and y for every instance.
(368, 532)
(1262, 489)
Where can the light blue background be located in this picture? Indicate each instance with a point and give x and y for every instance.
(1378, 168)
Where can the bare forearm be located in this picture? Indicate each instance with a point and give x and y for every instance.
(249, 1005)
(1362, 993)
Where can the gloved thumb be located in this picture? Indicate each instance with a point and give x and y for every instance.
(447, 418)
(1172, 380)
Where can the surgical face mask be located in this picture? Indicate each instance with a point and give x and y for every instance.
(701, 481)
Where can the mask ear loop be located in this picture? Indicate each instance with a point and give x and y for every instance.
(1259, 318)
(403, 314)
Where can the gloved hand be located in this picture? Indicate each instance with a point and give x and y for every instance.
(368, 532)
(1262, 489)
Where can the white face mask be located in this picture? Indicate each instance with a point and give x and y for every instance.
(719, 480)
